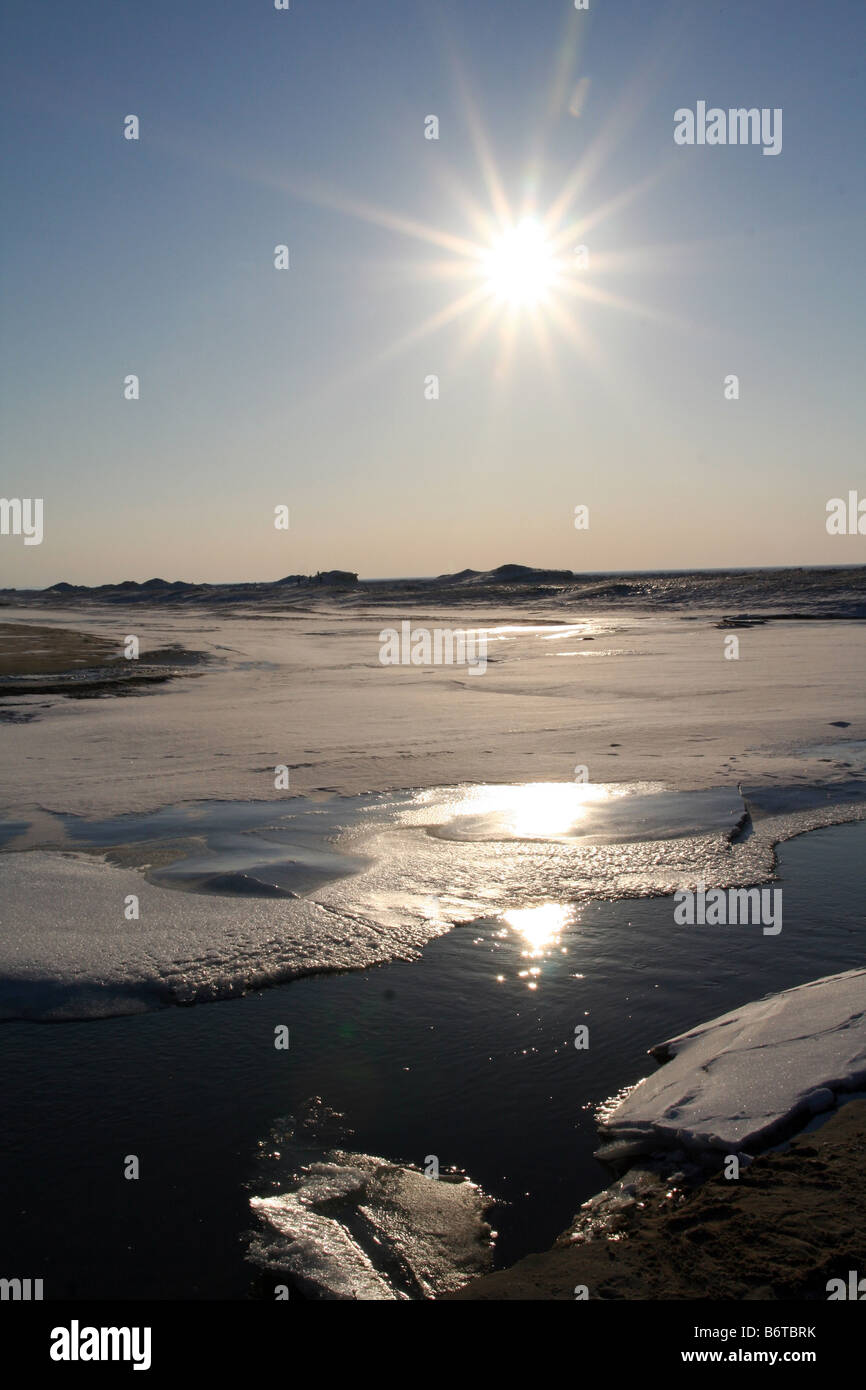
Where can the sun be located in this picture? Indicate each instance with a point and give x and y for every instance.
(520, 268)
(526, 262)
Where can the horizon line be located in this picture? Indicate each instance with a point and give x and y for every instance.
(432, 578)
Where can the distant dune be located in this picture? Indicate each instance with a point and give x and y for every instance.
(739, 596)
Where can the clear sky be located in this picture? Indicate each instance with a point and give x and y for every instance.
(306, 387)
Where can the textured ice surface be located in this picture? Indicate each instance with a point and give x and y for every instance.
(750, 1076)
(67, 949)
(359, 1227)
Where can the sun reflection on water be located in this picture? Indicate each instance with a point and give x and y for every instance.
(531, 811)
(540, 927)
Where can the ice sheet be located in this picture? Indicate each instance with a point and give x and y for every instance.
(308, 691)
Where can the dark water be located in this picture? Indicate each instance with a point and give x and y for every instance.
(435, 1057)
(11, 829)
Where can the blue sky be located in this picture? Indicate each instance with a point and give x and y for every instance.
(261, 387)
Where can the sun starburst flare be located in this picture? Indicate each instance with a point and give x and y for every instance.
(517, 273)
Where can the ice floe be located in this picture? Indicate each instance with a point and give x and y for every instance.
(750, 1077)
(358, 1227)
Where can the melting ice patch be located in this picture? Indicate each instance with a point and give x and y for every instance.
(750, 1077)
(347, 1225)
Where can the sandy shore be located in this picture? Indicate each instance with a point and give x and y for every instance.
(37, 659)
(792, 1221)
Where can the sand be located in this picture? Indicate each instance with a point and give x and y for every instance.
(790, 1223)
(39, 659)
